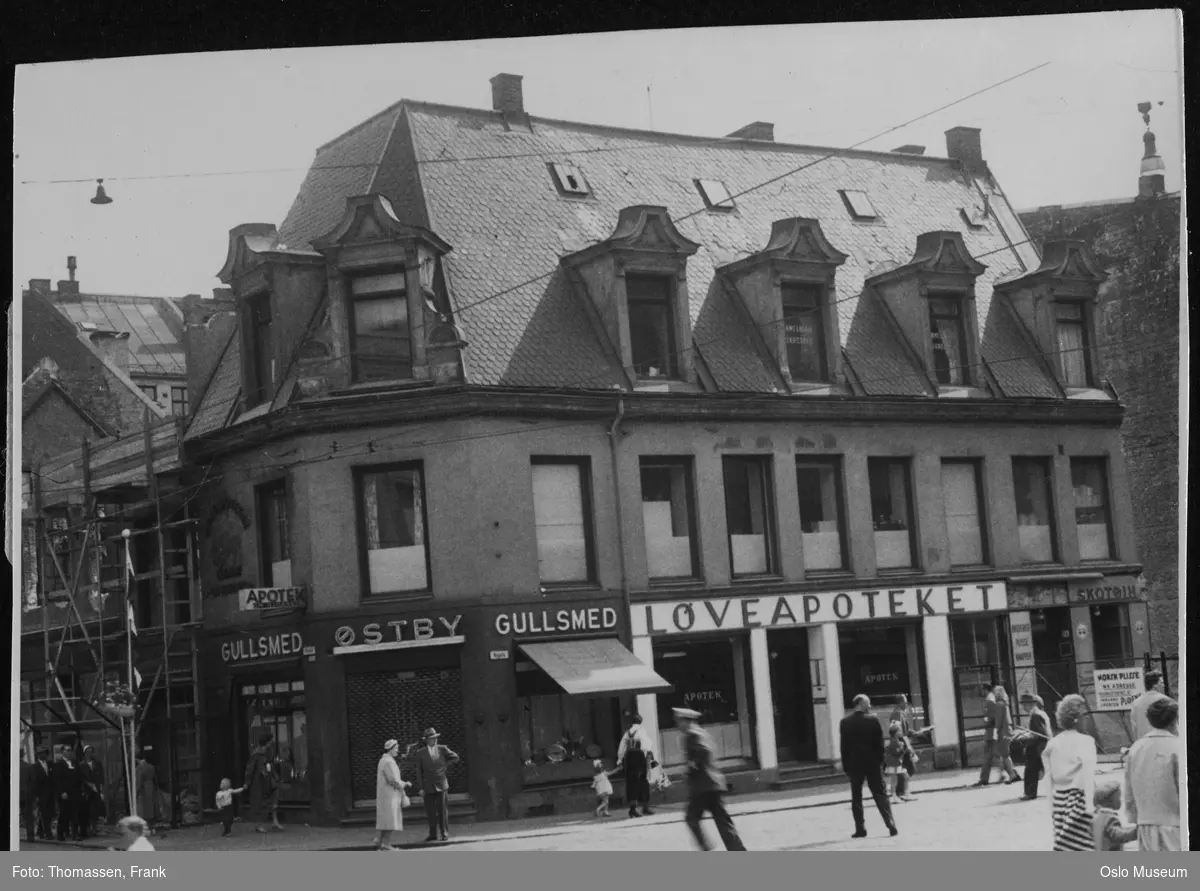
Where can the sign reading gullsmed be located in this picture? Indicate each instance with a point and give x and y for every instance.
(693, 616)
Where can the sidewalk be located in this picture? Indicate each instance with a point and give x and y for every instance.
(299, 837)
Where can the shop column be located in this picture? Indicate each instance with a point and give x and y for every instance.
(764, 706)
(647, 703)
(942, 708)
(823, 644)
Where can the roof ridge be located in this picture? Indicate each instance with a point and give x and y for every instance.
(360, 125)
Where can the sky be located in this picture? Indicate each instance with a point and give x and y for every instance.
(192, 145)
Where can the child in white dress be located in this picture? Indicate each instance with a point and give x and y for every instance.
(602, 786)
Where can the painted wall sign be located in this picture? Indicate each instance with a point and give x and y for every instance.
(692, 616)
(226, 522)
(1036, 596)
(557, 621)
(271, 598)
(265, 646)
(1020, 628)
(396, 631)
(1117, 688)
(1116, 588)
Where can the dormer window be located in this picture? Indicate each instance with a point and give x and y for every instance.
(804, 331)
(380, 340)
(1071, 335)
(948, 338)
(569, 180)
(261, 379)
(651, 326)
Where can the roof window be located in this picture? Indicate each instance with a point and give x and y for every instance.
(715, 195)
(859, 204)
(569, 179)
(973, 220)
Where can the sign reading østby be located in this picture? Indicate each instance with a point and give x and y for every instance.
(397, 631)
(271, 598)
(692, 616)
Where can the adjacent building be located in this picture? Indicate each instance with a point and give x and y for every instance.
(516, 424)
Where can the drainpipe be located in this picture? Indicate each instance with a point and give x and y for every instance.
(613, 433)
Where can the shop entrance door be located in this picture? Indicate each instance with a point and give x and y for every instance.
(1054, 654)
(791, 696)
(972, 683)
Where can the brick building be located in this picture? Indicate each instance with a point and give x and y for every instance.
(514, 424)
(1136, 241)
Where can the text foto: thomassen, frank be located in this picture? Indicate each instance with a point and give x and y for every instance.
(90, 872)
(1141, 872)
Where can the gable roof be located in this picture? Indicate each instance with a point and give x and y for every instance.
(39, 386)
(154, 325)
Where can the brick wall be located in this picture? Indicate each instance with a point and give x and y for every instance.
(1137, 243)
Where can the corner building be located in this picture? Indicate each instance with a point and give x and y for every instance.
(505, 435)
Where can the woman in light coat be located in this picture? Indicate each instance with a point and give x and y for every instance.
(1152, 780)
(1070, 762)
(389, 797)
(1004, 735)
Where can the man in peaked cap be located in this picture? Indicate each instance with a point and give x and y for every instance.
(432, 761)
(706, 784)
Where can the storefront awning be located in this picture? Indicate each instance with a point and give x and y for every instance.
(594, 667)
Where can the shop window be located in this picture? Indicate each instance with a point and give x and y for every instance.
(261, 378)
(560, 734)
(712, 677)
(1071, 334)
(393, 524)
(822, 533)
(651, 326)
(668, 515)
(562, 517)
(179, 401)
(278, 708)
(948, 335)
(892, 512)
(979, 640)
(804, 332)
(1032, 487)
(963, 499)
(883, 661)
(275, 542)
(1089, 480)
(749, 511)
(1112, 638)
(380, 340)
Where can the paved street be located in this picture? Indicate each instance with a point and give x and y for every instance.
(948, 815)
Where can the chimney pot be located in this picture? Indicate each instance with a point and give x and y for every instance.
(963, 145)
(71, 268)
(759, 130)
(506, 94)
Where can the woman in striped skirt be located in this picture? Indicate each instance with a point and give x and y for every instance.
(1070, 764)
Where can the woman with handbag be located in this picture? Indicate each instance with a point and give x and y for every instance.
(261, 786)
(390, 798)
(635, 754)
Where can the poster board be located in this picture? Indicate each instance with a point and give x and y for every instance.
(1115, 689)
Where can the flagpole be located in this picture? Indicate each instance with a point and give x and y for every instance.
(125, 533)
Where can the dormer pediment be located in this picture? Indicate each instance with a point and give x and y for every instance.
(937, 254)
(1064, 262)
(794, 242)
(641, 230)
(370, 219)
(247, 245)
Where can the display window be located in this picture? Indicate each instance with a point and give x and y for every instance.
(712, 677)
(278, 708)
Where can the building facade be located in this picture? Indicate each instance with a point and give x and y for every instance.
(512, 443)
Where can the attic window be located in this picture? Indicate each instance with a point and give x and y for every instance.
(715, 195)
(859, 204)
(569, 179)
(973, 221)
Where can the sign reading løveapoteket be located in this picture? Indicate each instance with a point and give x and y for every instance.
(692, 616)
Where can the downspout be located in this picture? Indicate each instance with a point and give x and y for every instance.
(613, 433)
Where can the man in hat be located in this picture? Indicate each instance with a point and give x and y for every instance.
(706, 784)
(862, 760)
(432, 761)
(68, 794)
(93, 778)
(28, 794)
(43, 790)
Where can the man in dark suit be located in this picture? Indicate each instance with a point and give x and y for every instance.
(432, 762)
(68, 791)
(706, 784)
(43, 790)
(28, 794)
(862, 759)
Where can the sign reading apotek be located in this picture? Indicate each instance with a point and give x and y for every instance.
(397, 631)
(1116, 588)
(265, 646)
(1117, 688)
(271, 598)
(692, 616)
(557, 621)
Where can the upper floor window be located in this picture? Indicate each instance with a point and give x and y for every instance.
(669, 517)
(563, 520)
(804, 332)
(892, 512)
(1089, 480)
(949, 339)
(150, 391)
(749, 512)
(1072, 342)
(1034, 493)
(275, 542)
(380, 339)
(179, 401)
(262, 356)
(819, 484)
(963, 499)
(395, 547)
(651, 325)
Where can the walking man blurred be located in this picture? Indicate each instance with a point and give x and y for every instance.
(862, 760)
(706, 784)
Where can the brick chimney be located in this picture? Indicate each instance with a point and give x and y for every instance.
(41, 285)
(963, 145)
(70, 286)
(506, 94)
(759, 130)
(207, 327)
(1152, 178)
(113, 346)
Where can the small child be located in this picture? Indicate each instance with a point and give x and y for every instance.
(134, 830)
(602, 787)
(893, 759)
(225, 805)
(1108, 832)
